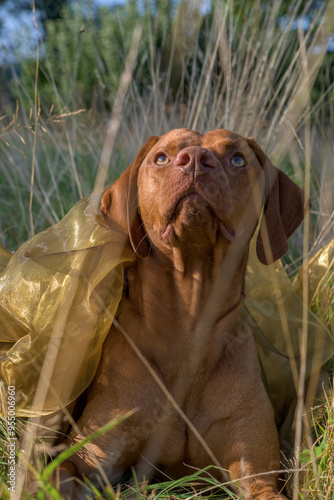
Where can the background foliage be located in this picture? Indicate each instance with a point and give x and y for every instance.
(261, 68)
(234, 64)
(85, 67)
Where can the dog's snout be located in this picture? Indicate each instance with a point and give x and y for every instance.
(195, 159)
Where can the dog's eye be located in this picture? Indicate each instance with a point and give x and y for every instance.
(162, 160)
(238, 161)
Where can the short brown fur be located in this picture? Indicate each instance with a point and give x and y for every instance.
(190, 222)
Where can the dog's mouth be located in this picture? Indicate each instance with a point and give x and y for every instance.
(191, 198)
(194, 204)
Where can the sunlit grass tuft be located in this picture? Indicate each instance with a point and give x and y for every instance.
(250, 77)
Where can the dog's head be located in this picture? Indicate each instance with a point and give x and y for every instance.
(188, 188)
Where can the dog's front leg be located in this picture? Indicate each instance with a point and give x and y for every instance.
(66, 481)
(243, 438)
(249, 450)
(109, 455)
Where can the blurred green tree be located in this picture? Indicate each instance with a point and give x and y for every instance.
(82, 66)
(48, 9)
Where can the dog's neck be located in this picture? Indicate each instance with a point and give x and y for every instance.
(189, 288)
(181, 312)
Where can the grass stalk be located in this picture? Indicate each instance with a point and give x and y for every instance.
(36, 116)
(240, 96)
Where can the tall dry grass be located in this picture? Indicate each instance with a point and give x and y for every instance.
(49, 160)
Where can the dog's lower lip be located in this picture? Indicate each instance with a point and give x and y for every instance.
(223, 229)
(187, 195)
(226, 233)
(167, 231)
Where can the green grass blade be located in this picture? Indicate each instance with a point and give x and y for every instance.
(66, 454)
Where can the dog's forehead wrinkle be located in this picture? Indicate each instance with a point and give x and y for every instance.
(222, 143)
(178, 139)
(181, 134)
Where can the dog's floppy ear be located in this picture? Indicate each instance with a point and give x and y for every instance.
(120, 202)
(284, 210)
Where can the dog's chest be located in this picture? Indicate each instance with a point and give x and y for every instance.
(173, 450)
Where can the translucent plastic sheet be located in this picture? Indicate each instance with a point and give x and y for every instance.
(274, 310)
(58, 296)
(60, 292)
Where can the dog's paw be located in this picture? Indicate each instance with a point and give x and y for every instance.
(65, 480)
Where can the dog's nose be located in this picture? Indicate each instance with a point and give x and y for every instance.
(195, 159)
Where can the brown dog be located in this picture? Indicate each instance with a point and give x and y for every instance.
(190, 204)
